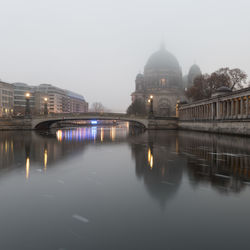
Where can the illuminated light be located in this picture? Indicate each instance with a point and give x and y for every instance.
(45, 99)
(59, 135)
(151, 161)
(102, 134)
(149, 100)
(45, 159)
(27, 168)
(93, 132)
(27, 95)
(151, 97)
(149, 154)
(93, 122)
(150, 158)
(113, 133)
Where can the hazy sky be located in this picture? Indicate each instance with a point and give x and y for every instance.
(96, 47)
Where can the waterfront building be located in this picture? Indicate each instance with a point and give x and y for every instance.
(57, 100)
(162, 78)
(20, 91)
(6, 99)
(76, 103)
(41, 99)
(62, 101)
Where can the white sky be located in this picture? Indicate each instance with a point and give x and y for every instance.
(96, 47)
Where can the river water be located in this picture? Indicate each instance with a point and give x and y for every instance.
(115, 188)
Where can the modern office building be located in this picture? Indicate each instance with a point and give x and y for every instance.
(20, 91)
(62, 101)
(56, 99)
(76, 103)
(6, 99)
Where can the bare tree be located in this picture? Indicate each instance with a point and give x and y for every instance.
(237, 77)
(137, 107)
(97, 107)
(206, 84)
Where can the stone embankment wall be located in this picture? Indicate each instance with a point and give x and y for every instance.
(240, 127)
(15, 124)
(164, 124)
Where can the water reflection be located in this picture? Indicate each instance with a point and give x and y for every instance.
(93, 133)
(158, 164)
(43, 150)
(222, 161)
(161, 158)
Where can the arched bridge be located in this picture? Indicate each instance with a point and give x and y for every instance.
(44, 122)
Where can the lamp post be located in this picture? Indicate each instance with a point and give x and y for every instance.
(27, 105)
(45, 106)
(151, 111)
(177, 108)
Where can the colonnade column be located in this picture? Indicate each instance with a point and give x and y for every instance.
(236, 108)
(228, 108)
(247, 106)
(232, 108)
(217, 110)
(241, 107)
(224, 109)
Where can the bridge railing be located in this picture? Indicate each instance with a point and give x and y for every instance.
(89, 114)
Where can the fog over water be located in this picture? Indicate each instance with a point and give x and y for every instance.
(114, 188)
(97, 47)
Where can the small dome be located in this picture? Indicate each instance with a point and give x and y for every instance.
(223, 89)
(139, 76)
(195, 70)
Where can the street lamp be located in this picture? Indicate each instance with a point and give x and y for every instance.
(177, 108)
(27, 105)
(45, 106)
(150, 101)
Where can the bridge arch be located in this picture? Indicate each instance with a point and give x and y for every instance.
(40, 123)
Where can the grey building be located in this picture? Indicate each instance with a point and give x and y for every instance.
(6, 99)
(20, 91)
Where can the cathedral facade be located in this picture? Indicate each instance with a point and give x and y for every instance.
(162, 79)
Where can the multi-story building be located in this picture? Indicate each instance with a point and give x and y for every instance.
(76, 103)
(57, 100)
(20, 91)
(62, 101)
(6, 99)
(56, 97)
(41, 99)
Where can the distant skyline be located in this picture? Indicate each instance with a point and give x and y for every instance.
(96, 47)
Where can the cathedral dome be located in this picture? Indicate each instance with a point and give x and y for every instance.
(162, 60)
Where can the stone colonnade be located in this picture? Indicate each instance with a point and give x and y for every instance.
(230, 106)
